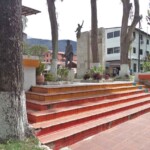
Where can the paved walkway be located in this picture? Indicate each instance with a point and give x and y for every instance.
(131, 135)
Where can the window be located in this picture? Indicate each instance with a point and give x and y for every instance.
(147, 52)
(141, 37)
(116, 49)
(141, 52)
(134, 67)
(113, 50)
(134, 35)
(109, 35)
(134, 50)
(116, 33)
(147, 42)
(109, 50)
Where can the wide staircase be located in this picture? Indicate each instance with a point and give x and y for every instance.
(63, 115)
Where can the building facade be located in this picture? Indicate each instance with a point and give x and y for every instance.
(138, 50)
(109, 50)
(47, 59)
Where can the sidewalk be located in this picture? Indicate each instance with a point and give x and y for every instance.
(131, 135)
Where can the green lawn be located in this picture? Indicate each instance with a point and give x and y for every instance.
(28, 144)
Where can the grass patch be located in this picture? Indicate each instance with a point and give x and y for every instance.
(28, 144)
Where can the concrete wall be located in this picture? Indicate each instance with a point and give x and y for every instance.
(29, 69)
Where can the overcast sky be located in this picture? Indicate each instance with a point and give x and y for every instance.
(72, 12)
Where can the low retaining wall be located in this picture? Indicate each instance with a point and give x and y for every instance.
(143, 78)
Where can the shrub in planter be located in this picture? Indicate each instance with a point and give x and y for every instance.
(63, 73)
(49, 77)
(106, 76)
(86, 76)
(126, 76)
(40, 69)
(97, 76)
(39, 74)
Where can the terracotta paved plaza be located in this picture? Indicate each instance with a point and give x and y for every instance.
(131, 135)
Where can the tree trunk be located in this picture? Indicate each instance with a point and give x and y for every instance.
(54, 33)
(13, 116)
(94, 44)
(126, 33)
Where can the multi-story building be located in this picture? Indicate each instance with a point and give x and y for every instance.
(109, 50)
(139, 49)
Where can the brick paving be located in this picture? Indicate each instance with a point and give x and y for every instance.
(131, 135)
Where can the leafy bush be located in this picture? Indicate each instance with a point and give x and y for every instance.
(146, 66)
(63, 72)
(49, 77)
(40, 69)
(96, 70)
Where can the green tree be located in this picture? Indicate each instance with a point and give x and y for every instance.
(38, 50)
(26, 48)
(13, 115)
(94, 44)
(54, 33)
(126, 33)
(146, 64)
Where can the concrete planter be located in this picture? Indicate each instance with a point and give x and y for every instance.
(142, 76)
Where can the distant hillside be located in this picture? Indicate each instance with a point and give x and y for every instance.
(48, 44)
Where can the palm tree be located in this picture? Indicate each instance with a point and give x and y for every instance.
(13, 116)
(126, 33)
(94, 44)
(54, 33)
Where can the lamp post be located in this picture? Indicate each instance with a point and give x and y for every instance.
(140, 27)
(139, 44)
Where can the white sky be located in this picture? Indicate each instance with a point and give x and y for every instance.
(72, 12)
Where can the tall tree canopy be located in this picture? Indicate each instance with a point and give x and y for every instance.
(126, 33)
(13, 116)
(38, 50)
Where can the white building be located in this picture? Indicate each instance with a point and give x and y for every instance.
(112, 48)
(109, 50)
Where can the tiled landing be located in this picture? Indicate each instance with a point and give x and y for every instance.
(131, 135)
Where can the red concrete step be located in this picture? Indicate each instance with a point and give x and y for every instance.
(76, 94)
(44, 105)
(76, 133)
(39, 116)
(71, 120)
(73, 87)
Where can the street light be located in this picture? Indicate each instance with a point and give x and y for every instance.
(139, 46)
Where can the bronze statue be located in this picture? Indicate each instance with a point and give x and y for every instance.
(78, 30)
(68, 54)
